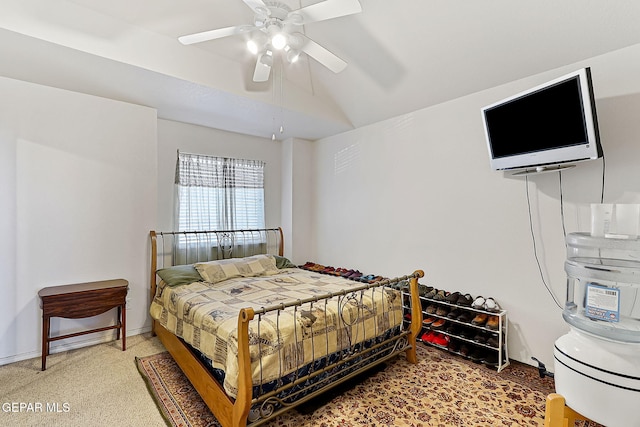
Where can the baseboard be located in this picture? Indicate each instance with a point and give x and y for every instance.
(66, 346)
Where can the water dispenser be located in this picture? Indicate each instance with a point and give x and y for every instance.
(597, 364)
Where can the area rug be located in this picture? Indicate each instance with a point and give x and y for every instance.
(440, 390)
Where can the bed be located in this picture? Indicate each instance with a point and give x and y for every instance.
(256, 335)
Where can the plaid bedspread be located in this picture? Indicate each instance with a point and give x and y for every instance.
(205, 315)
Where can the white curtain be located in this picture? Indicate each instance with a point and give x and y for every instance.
(218, 193)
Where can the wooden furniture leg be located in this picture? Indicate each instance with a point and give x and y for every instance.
(46, 326)
(558, 414)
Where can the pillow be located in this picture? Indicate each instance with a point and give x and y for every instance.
(282, 262)
(179, 275)
(217, 271)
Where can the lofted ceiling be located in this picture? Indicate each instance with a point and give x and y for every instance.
(402, 56)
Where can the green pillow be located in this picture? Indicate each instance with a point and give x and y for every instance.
(179, 275)
(282, 262)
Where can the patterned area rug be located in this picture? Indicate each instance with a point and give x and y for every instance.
(440, 390)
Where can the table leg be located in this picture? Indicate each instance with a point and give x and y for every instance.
(119, 320)
(123, 309)
(46, 322)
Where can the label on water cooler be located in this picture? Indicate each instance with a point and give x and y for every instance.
(602, 303)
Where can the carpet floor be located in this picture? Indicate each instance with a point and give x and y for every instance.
(440, 390)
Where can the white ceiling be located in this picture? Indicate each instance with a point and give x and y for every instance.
(403, 55)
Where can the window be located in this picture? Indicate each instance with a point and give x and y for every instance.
(218, 193)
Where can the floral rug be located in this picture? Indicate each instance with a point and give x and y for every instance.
(440, 390)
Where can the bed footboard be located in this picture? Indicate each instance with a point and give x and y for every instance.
(330, 368)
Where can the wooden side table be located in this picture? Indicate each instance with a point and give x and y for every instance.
(79, 301)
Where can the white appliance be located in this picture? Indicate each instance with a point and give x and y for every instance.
(597, 364)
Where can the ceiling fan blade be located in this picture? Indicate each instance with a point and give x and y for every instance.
(256, 5)
(214, 34)
(321, 54)
(328, 9)
(263, 68)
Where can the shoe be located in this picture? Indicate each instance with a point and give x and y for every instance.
(490, 358)
(347, 273)
(478, 303)
(465, 300)
(428, 321)
(493, 342)
(491, 305)
(453, 314)
(454, 345)
(438, 324)
(341, 271)
(481, 337)
(440, 339)
(440, 296)
(355, 275)
(464, 350)
(493, 323)
(427, 337)
(467, 333)
(477, 355)
(317, 267)
(465, 317)
(452, 297)
(431, 309)
(453, 329)
(423, 290)
(480, 319)
(432, 293)
(442, 311)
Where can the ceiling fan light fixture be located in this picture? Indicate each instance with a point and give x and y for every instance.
(292, 54)
(252, 46)
(279, 41)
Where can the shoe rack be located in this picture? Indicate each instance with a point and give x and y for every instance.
(450, 326)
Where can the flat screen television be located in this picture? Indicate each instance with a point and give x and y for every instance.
(547, 127)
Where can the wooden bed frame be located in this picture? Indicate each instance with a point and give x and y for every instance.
(234, 413)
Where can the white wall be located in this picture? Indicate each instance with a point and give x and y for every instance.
(78, 195)
(297, 200)
(416, 192)
(174, 136)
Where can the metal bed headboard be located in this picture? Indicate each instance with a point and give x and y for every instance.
(169, 248)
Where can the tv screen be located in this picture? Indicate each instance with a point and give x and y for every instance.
(549, 125)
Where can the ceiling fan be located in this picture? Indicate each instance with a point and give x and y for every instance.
(275, 28)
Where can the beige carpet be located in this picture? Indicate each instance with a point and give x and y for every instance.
(441, 390)
(88, 387)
